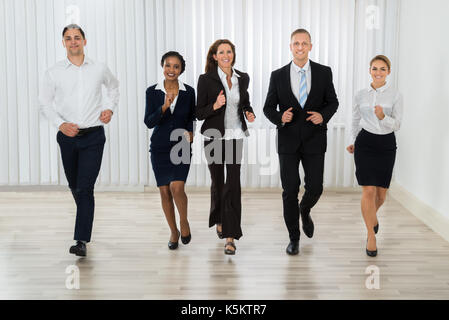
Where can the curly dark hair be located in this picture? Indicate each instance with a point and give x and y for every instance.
(177, 55)
(210, 61)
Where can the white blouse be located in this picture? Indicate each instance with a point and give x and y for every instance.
(363, 116)
(232, 121)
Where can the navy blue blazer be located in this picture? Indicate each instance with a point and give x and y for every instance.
(164, 123)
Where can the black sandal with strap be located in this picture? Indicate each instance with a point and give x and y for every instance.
(228, 251)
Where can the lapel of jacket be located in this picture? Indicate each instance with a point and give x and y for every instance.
(288, 86)
(214, 75)
(243, 86)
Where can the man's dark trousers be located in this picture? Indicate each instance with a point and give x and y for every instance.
(81, 158)
(313, 165)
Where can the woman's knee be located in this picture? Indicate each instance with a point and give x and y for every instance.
(165, 193)
(369, 192)
(381, 195)
(177, 188)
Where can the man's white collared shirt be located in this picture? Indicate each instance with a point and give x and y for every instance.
(232, 121)
(181, 86)
(74, 94)
(364, 117)
(295, 78)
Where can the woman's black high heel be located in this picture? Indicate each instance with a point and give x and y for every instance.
(370, 253)
(174, 245)
(186, 239)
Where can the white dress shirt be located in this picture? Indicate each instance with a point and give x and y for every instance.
(363, 115)
(181, 86)
(232, 121)
(74, 94)
(295, 78)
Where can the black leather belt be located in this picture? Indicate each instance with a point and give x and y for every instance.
(82, 132)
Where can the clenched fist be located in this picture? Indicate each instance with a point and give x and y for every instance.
(189, 136)
(69, 129)
(169, 98)
(350, 148)
(221, 101)
(287, 116)
(379, 111)
(106, 116)
(315, 117)
(250, 116)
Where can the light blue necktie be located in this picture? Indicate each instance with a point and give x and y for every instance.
(302, 88)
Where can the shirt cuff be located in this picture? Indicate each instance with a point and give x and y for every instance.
(58, 122)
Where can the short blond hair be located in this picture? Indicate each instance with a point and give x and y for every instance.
(381, 58)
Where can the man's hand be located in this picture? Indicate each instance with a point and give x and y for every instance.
(315, 117)
(69, 129)
(250, 116)
(379, 111)
(106, 116)
(350, 148)
(221, 101)
(287, 116)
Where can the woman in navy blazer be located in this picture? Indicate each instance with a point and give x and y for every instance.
(170, 107)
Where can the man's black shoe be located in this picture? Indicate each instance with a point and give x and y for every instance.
(307, 223)
(293, 248)
(79, 249)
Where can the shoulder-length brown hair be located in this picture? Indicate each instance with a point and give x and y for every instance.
(211, 64)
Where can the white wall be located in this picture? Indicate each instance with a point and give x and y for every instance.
(131, 35)
(422, 164)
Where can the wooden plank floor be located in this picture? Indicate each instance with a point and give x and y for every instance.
(129, 259)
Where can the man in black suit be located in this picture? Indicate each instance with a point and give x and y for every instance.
(306, 97)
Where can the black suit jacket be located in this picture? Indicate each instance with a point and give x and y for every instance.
(300, 134)
(208, 89)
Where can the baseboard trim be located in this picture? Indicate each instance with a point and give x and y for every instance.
(429, 216)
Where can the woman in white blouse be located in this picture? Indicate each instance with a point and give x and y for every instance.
(377, 113)
(223, 103)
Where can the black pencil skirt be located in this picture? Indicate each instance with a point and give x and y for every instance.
(374, 156)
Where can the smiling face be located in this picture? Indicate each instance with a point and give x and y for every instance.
(300, 46)
(74, 42)
(172, 68)
(379, 71)
(224, 56)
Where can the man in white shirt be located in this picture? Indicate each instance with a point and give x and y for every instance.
(71, 99)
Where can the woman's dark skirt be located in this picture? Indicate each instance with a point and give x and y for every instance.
(165, 171)
(374, 156)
